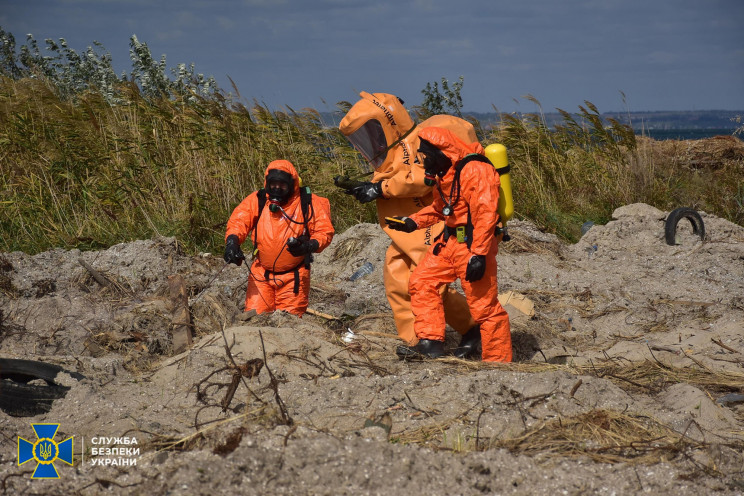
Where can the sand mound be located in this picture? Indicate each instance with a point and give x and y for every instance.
(628, 375)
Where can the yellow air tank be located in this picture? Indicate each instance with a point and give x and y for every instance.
(496, 153)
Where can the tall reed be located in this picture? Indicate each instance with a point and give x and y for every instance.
(87, 172)
(585, 167)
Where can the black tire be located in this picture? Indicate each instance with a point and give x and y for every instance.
(20, 399)
(31, 369)
(26, 400)
(670, 227)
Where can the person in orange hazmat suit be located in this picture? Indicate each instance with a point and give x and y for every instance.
(467, 194)
(380, 128)
(288, 229)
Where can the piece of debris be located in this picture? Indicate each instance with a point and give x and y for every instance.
(518, 301)
(181, 317)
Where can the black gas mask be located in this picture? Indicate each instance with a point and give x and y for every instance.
(436, 162)
(279, 187)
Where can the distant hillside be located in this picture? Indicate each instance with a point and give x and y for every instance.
(722, 120)
(686, 119)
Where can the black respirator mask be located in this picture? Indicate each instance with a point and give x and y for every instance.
(278, 194)
(436, 162)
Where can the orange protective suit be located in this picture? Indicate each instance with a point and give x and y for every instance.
(402, 176)
(479, 194)
(278, 280)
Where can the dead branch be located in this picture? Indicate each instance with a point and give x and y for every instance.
(235, 365)
(477, 428)
(429, 414)
(575, 388)
(181, 315)
(321, 314)
(105, 483)
(99, 278)
(720, 343)
(275, 385)
(234, 383)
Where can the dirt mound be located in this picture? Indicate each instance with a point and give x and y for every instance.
(628, 376)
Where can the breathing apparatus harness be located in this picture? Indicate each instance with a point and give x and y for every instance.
(308, 212)
(464, 233)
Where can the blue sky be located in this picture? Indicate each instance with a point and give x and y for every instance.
(662, 54)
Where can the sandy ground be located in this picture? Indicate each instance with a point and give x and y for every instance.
(627, 380)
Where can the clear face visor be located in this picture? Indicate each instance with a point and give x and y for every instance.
(370, 141)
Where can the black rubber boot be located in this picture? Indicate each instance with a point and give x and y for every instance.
(426, 348)
(469, 343)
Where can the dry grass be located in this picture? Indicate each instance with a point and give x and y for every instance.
(604, 436)
(349, 247)
(654, 376)
(521, 244)
(84, 173)
(583, 169)
(648, 376)
(87, 174)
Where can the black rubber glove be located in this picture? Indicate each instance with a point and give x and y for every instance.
(366, 192)
(408, 225)
(476, 268)
(233, 253)
(298, 246)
